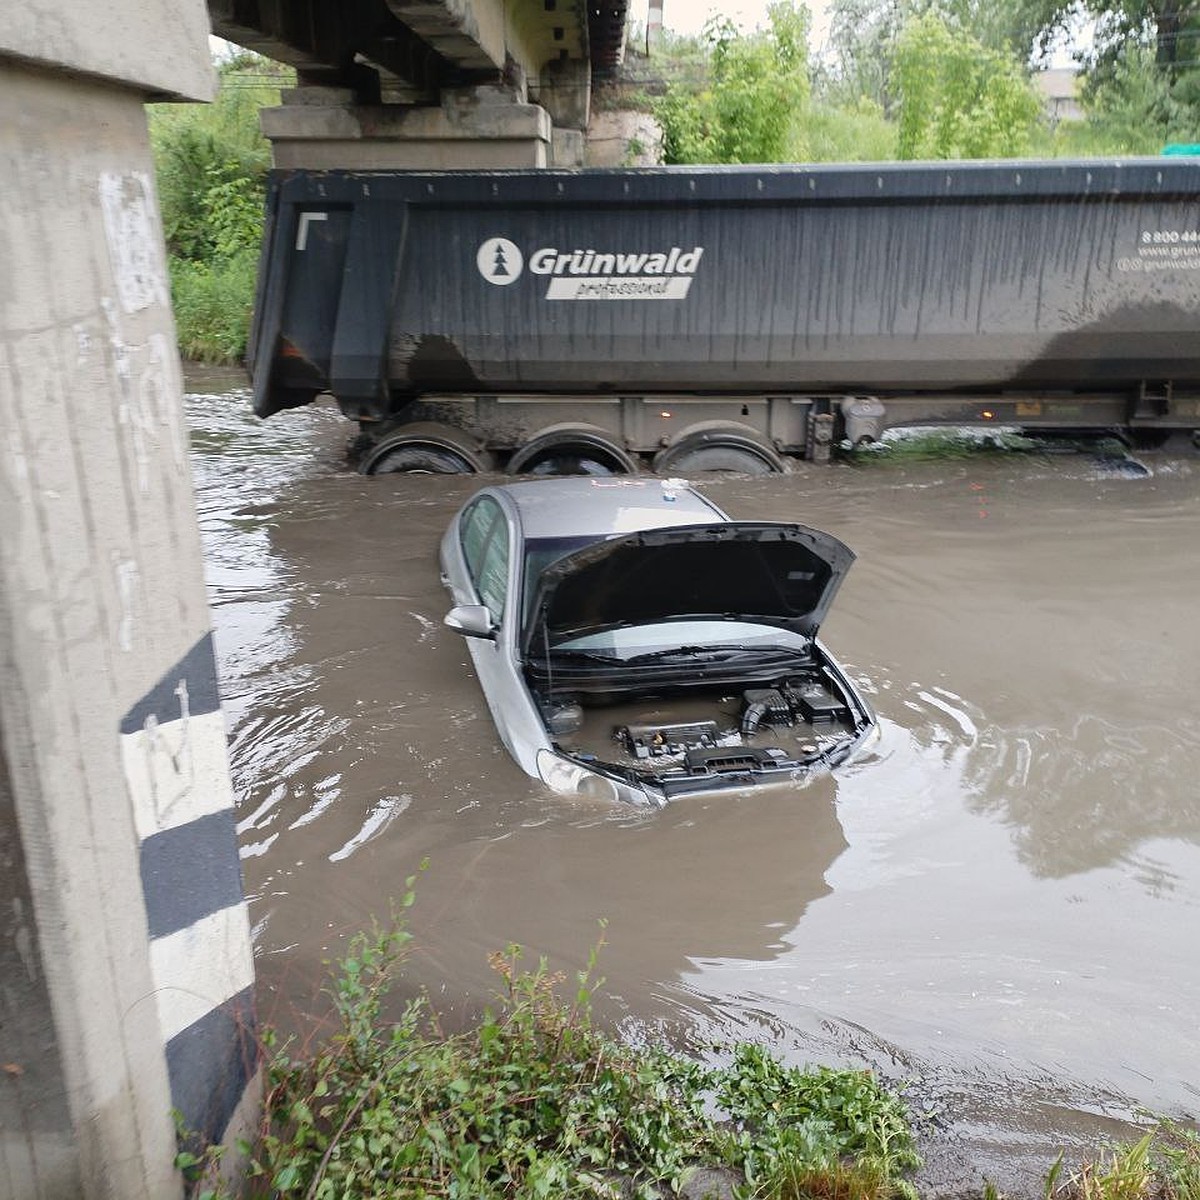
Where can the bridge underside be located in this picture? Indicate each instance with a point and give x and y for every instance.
(430, 84)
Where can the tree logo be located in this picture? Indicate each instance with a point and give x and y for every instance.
(500, 261)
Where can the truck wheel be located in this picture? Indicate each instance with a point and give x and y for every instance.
(1148, 439)
(420, 460)
(422, 448)
(571, 450)
(568, 463)
(719, 449)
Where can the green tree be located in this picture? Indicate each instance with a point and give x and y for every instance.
(862, 35)
(1143, 74)
(211, 163)
(1130, 103)
(1019, 27)
(756, 91)
(957, 98)
(1170, 27)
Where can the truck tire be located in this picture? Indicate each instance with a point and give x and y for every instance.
(571, 450)
(1148, 439)
(719, 448)
(420, 460)
(422, 449)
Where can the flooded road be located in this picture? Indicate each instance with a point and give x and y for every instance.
(997, 907)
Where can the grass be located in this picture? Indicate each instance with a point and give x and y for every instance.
(916, 444)
(212, 305)
(536, 1101)
(922, 445)
(1162, 1165)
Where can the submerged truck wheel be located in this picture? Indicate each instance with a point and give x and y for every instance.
(571, 450)
(420, 460)
(719, 448)
(424, 449)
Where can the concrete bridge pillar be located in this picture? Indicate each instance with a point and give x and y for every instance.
(125, 965)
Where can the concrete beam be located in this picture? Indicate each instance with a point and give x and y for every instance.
(157, 46)
(329, 41)
(481, 128)
(421, 43)
(468, 33)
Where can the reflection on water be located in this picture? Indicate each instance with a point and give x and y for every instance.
(1000, 899)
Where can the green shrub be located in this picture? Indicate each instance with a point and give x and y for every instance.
(536, 1101)
(211, 164)
(747, 109)
(957, 97)
(848, 133)
(213, 303)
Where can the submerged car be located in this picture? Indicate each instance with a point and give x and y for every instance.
(635, 643)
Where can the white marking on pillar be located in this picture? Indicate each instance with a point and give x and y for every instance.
(177, 771)
(200, 967)
(128, 578)
(131, 229)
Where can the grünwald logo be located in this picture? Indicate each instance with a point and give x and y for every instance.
(590, 274)
(500, 261)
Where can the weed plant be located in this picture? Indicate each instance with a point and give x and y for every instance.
(933, 445)
(213, 303)
(536, 1101)
(1162, 1165)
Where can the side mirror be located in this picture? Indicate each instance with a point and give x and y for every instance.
(471, 620)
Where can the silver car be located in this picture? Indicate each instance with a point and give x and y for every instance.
(635, 643)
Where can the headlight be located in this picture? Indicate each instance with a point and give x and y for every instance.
(570, 779)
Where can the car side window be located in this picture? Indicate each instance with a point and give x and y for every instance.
(476, 525)
(493, 577)
(485, 547)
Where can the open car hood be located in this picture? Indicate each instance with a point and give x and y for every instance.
(766, 572)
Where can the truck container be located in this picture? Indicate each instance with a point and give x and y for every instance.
(727, 317)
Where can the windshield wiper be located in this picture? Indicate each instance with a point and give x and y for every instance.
(582, 656)
(717, 653)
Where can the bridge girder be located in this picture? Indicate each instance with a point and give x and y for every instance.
(424, 44)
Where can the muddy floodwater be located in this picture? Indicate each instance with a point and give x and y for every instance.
(997, 908)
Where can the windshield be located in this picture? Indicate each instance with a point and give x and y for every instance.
(539, 554)
(631, 641)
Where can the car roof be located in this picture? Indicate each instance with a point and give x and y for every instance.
(599, 506)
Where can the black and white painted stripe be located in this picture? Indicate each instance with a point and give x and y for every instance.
(174, 755)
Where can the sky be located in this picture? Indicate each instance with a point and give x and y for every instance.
(688, 16)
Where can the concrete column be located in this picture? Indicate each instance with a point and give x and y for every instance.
(476, 129)
(564, 90)
(125, 965)
(623, 138)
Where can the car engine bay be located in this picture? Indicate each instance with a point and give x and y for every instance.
(782, 728)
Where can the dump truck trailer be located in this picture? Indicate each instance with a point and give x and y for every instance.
(727, 318)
